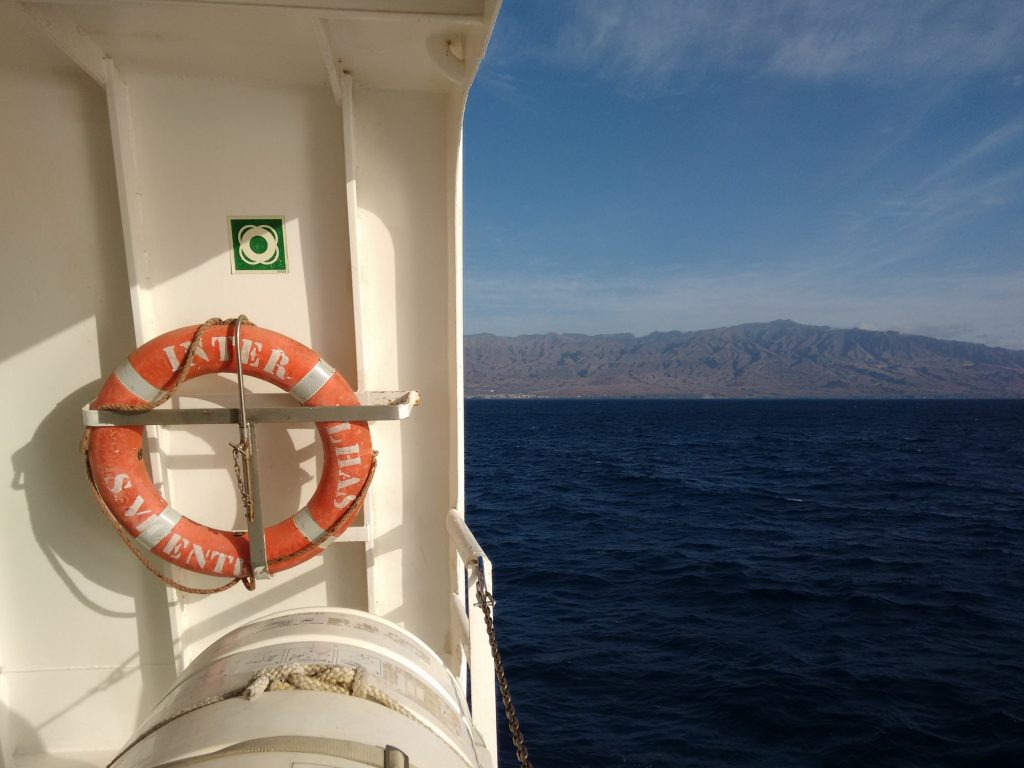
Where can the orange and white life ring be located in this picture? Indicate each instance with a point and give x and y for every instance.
(123, 482)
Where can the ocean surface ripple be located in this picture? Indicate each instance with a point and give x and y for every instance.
(756, 583)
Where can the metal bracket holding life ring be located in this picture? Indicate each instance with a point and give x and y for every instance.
(150, 375)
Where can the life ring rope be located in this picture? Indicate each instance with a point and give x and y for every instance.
(161, 396)
(147, 396)
(247, 581)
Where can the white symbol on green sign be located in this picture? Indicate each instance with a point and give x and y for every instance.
(258, 245)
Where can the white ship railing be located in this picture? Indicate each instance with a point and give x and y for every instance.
(469, 645)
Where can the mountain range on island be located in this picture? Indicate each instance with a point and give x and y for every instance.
(782, 359)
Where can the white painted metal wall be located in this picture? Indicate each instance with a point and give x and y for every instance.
(84, 632)
(121, 158)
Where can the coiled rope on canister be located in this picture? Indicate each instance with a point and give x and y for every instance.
(325, 678)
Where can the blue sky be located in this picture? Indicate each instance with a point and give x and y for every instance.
(675, 165)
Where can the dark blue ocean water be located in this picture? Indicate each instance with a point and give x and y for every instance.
(757, 583)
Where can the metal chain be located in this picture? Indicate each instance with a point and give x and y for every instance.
(242, 449)
(485, 600)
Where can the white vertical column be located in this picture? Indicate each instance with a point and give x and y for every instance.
(6, 737)
(456, 439)
(130, 198)
(344, 81)
(479, 653)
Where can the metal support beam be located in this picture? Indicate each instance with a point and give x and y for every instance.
(478, 649)
(363, 344)
(331, 61)
(327, 10)
(129, 196)
(71, 39)
(268, 408)
(485, 713)
(460, 624)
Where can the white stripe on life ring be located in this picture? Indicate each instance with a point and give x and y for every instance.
(132, 381)
(312, 382)
(155, 529)
(307, 526)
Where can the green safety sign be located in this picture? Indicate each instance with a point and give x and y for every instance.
(257, 245)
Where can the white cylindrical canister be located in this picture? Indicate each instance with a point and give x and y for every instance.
(408, 710)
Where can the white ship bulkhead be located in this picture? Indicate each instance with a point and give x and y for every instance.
(132, 133)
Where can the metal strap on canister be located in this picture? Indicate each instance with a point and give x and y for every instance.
(367, 754)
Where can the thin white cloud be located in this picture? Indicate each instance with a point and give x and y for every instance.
(986, 309)
(651, 41)
(986, 146)
(915, 220)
